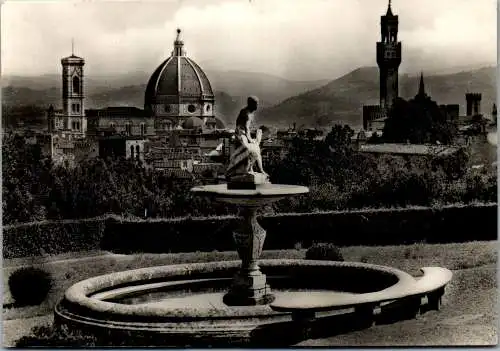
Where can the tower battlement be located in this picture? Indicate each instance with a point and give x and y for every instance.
(473, 96)
(473, 101)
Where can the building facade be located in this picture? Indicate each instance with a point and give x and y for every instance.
(128, 121)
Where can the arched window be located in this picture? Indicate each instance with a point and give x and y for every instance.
(143, 129)
(137, 150)
(131, 151)
(128, 129)
(76, 85)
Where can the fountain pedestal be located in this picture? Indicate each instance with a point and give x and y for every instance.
(249, 285)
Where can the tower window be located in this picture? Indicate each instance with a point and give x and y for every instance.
(76, 85)
(111, 125)
(143, 129)
(137, 150)
(208, 108)
(132, 151)
(168, 109)
(191, 108)
(128, 129)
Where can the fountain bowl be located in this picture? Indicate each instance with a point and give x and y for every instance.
(182, 305)
(262, 195)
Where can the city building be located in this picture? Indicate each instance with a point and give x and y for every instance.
(388, 61)
(129, 121)
(176, 131)
(409, 150)
(389, 56)
(72, 117)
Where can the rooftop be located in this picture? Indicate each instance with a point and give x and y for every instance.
(410, 149)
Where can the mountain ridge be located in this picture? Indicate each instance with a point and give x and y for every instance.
(342, 99)
(283, 102)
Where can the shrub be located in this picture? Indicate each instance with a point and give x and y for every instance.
(30, 286)
(325, 252)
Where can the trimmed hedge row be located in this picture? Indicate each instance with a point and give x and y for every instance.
(53, 237)
(376, 227)
(366, 227)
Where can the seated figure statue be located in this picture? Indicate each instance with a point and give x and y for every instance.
(240, 171)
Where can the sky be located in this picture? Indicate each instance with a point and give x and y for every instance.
(294, 39)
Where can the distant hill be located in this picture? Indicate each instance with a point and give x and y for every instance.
(129, 88)
(283, 102)
(341, 100)
(231, 90)
(269, 89)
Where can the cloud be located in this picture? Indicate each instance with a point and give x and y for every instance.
(297, 39)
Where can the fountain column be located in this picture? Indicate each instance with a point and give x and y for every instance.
(249, 285)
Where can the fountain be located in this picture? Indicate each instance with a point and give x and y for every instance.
(249, 285)
(250, 301)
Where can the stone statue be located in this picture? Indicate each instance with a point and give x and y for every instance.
(240, 171)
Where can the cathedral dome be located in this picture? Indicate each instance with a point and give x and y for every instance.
(179, 87)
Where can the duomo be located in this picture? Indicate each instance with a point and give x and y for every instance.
(178, 118)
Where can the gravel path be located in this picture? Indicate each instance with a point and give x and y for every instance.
(14, 329)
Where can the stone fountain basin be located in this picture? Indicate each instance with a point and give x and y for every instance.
(182, 304)
(264, 194)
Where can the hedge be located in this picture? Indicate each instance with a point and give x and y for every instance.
(53, 237)
(364, 227)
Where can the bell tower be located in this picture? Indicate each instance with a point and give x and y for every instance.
(388, 58)
(73, 94)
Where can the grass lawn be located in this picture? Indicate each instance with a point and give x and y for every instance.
(468, 316)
